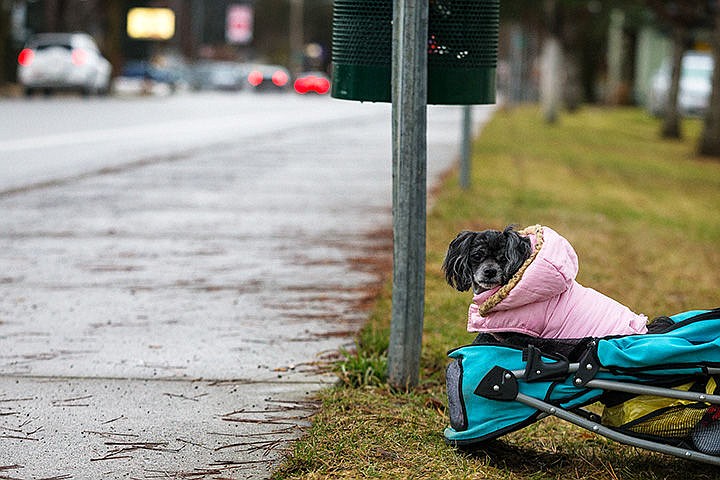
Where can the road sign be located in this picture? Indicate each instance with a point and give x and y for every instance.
(239, 24)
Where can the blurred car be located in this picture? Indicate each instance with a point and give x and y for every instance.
(218, 75)
(144, 77)
(316, 82)
(63, 61)
(695, 85)
(268, 77)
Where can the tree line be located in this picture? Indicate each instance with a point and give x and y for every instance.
(574, 32)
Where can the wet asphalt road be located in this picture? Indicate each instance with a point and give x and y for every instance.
(169, 294)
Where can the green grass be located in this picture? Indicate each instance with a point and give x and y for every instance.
(643, 215)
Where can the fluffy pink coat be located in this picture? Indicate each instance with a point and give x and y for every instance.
(547, 302)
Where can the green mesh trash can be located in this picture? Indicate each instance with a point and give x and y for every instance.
(462, 50)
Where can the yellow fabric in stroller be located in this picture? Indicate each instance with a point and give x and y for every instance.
(658, 416)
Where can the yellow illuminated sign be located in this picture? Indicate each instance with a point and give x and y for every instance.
(151, 23)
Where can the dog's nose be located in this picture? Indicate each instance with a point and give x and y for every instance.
(490, 272)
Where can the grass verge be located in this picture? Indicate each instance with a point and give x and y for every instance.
(643, 215)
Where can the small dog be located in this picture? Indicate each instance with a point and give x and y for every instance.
(485, 260)
(524, 283)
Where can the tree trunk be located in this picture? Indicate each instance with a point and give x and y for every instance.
(55, 15)
(570, 34)
(710, 138)
(550, 80)
(671, 120)
(112, 41)
(551, 63)
(5, 45)
(573, 91)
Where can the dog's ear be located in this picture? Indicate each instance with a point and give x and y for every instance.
(517, 250)
(458, 273)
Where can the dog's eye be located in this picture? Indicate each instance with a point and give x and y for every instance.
(478, 257)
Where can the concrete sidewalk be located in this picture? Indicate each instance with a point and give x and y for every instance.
(171, 320)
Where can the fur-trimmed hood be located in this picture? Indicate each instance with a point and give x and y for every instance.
(543, 299)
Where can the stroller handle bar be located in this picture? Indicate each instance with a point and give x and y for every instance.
(638, 388)
(657, 391)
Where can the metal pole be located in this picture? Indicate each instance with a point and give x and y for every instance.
(466, 147)
(409, 137)
(296, 35)
(198, 27)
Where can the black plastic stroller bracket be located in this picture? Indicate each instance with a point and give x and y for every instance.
(498, 384)
(537, 369)
(588, 366)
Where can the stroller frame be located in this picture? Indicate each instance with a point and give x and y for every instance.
(504, 378)
(591, 425)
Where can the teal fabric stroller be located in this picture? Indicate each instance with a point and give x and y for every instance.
(659, 391)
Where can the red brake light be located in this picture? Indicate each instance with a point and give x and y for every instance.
(312, 83)
(280, 78)
(323, 85)
(255, 78)
(26, 57)
(79, 56)
(301, 86)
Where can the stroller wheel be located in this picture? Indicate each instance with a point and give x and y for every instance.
(706, 434)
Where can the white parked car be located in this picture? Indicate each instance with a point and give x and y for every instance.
(695, 85)
(63, 61)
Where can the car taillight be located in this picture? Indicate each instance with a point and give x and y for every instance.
(26, 57)
(323, 85)
(255, 78)
(280, 78)
(315, 84)
(301, 86)
(79, 56)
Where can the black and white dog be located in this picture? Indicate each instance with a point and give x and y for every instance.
(524, 283)
(486, 259)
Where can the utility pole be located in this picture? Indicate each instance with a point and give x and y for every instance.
(198, 26)
(297, 9)
(409, 138)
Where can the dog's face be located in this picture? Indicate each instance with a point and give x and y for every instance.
(484, 260)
